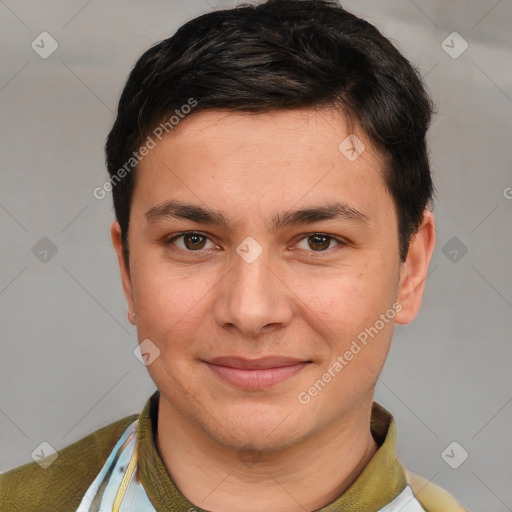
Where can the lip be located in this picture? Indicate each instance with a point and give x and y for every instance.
(255, 374)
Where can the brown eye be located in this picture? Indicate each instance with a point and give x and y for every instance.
(320, 242)
(192, 241)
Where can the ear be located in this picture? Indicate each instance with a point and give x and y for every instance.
(115, 233)
(413, 272)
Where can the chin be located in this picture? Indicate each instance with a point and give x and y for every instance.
(252, 440)
(265, 432)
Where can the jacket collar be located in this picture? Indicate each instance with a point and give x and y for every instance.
(382, 480)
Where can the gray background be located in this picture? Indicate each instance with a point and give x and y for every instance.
(67, 365)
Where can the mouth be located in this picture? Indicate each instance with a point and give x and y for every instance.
(255, 374)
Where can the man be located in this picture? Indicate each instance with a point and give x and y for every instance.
(271, 186)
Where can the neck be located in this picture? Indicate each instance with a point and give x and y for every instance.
(206, 474)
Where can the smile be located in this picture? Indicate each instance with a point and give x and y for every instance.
(254, 375)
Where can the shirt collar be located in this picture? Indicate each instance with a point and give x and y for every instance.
(382, 480)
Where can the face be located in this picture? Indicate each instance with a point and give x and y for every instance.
(256, 310)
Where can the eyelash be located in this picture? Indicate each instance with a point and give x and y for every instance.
(341, 241)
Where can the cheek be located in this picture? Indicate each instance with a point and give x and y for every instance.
(349, 308)
(169, 304)
(348, 298)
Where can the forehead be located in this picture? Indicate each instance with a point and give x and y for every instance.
(277, 134)
(272, 159)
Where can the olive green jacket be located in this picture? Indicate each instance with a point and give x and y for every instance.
(61, 486)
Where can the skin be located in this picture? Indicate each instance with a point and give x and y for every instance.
(299, 298)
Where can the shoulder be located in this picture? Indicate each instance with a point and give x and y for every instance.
(432, 497)
(62, 484)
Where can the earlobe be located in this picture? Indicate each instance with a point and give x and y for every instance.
(414, 270)
(115, 233)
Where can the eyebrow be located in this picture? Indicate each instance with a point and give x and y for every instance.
(200, 215)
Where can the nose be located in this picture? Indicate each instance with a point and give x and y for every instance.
(253, 297)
